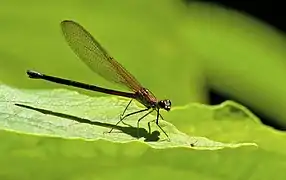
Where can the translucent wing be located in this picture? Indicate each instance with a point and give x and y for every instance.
(95, 56)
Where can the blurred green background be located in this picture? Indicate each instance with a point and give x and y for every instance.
(177, 51)
(142, 35)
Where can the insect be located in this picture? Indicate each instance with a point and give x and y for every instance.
(99, 61)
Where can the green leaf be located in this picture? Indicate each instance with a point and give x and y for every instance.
(67, 114)
(67, 130)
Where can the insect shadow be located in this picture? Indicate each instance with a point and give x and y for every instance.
(132, 131)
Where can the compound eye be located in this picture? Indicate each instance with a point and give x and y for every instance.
(169, 103)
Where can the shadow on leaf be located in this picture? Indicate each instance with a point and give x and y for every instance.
(132, 131)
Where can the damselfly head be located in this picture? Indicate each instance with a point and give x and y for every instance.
(165, 104)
